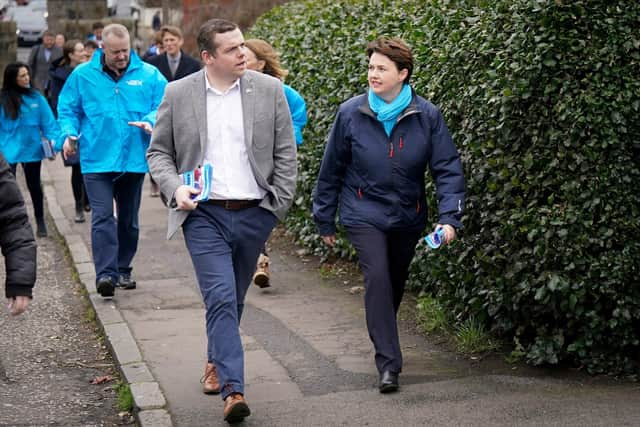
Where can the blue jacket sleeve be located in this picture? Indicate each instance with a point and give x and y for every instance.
(447, 173)
(157, 93)
(298, 109)
(337, 156)
(69, 110)
(48, 123)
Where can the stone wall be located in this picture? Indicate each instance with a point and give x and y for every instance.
(61, 10)
(242, 12)
(8, 44)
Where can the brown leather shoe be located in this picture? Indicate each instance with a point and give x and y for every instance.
(235, 408)
(209, 380)
(261, 276)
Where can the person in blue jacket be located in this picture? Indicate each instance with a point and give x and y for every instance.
(25, 120)
(107, 109)
(261, 56)
(373, 170)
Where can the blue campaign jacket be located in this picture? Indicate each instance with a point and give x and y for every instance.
(298, 110)
(378, 180)
(21, 139)
(94, 104)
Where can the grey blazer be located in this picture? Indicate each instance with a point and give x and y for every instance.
(40, 66)
(179, 139)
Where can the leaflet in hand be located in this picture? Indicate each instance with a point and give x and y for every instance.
(47, 149)
(199, 178)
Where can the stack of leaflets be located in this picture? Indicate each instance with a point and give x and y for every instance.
(200, 179)
(47, 149)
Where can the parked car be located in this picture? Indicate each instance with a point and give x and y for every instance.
(31, 22)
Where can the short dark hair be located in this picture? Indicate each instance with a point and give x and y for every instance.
(97, 25)
(208, 31)
(91, 43)
(396, 50)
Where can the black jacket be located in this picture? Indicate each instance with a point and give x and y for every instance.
(187, 65)
(16, 236)
(58, 74)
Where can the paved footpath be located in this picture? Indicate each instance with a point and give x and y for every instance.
(308, 357)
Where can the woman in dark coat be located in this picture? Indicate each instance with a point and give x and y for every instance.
(374, 165)
(73, 54)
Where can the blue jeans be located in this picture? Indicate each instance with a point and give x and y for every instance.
(114, 242)
(224, 246)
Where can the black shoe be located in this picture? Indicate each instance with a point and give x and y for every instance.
(105, 287)
(388, 382)
(41, 227)
(126, 282)
(79, 216)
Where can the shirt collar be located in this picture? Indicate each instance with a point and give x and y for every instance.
(175, 58)
(234, 86)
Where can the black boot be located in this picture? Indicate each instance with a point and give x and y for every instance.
(42, 227)
(79, 213)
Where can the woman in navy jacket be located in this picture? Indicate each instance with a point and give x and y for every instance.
(25, 120)
(373, 169)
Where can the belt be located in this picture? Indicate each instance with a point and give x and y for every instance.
(234, 205)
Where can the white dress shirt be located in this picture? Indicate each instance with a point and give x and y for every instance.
(232, 176)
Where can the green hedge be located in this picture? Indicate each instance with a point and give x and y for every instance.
(543, 99)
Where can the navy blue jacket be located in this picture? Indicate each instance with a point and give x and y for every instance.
(378, 180)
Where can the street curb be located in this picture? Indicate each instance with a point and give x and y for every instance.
(149, 400)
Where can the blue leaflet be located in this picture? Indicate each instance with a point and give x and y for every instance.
(434, 240)
(200, 179)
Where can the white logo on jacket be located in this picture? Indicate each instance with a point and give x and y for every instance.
(134, 82)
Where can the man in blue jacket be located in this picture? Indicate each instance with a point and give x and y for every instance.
(108, 108)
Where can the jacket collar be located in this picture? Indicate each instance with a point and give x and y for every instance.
(412, 108)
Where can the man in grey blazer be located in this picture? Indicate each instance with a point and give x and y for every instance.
(40, 59)
(239, 122)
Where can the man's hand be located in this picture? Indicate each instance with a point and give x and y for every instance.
(183, 198)
(449, 232)
(145, 126)
(329, 240)
(18, 305)
(69, 146)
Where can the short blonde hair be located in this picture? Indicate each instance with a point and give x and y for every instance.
(118, 30)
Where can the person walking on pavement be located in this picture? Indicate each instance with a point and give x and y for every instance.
(106, 109)
(40, 59)
(237, 121)
(17, 242)
(261, 56)
(25, 120)
(374, 165)
(73, 54)
(174, 64)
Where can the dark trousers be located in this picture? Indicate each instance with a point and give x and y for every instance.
(114, 241)
(77, 186)
(224, 246)
(384, 259)
(32, 176)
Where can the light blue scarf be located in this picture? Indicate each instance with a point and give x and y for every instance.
(387, 113)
